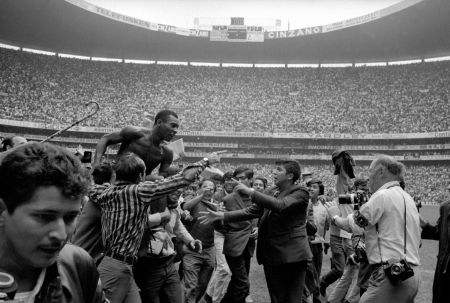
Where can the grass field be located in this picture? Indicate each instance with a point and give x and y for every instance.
(428, 253)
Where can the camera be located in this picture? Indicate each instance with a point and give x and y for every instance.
(360, 253)
(398, 271)
(356, 199)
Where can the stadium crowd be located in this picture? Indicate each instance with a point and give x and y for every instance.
(435, 177)
(393, 99)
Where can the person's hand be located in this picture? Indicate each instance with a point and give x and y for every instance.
(221, 207)
(165, 216)
(423, 222)
(353, 259)
(215, 156)
(242, 189)
(210, 216)
(322, 199)
(254, 233)
(196, 246)
(332, 209)
(326, 247)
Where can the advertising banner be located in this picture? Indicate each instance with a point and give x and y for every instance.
(136, 21)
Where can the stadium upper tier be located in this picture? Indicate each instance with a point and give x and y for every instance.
(409, 29)
(392, 99)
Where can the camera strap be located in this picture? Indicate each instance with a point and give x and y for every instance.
(404, 233)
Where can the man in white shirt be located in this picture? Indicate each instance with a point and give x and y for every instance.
(390, 223)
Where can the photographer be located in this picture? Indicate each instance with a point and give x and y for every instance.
(356, 267)
(390, 223)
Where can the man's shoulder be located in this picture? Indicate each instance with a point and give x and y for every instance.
(73, 255)
(298, 189)
(134, 132)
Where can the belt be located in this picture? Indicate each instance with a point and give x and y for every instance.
(130, 260)
(160, 261)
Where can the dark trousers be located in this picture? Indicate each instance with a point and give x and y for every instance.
(341, 248)
(286, 281)
(239, 286)
(317, 251)
(158, 280)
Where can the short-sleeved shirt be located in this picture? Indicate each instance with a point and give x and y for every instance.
(385, 211)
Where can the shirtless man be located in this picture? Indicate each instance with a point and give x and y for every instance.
(148, 144)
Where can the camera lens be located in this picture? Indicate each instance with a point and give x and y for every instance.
(396, 269)
(346, 199)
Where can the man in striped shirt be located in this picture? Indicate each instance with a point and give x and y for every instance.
(124, 216)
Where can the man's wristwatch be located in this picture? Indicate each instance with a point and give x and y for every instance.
(334, 219)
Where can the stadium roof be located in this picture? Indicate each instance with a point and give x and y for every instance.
(417, 31)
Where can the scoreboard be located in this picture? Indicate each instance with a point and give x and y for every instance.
(237, 33)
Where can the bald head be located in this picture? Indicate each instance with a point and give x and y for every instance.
(385, 169)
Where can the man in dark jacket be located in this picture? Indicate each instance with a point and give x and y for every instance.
(282, 246)
(440, 232)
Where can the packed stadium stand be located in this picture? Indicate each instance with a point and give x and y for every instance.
(392, 99)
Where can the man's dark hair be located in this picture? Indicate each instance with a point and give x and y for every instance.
(102, 173)
(217, 179)
(291, 167)
(227, 176)
(242, 169)
(8, 141)
(318, 182)
(164, 114)
(128, 167)
(36, 165)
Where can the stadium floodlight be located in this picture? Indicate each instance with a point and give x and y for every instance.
(172, 63)
(106, 59)
(371, 64)
(73, 56)
(403, 62)
(435, 59)
(269, 65)
(303, 65)
(139, 61)
(2, 45)
(237, 65)
(336, 65)
(204, 64)
(37, 51)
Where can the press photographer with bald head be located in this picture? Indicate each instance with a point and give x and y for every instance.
(390, 223)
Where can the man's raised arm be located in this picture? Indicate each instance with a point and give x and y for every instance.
(128, 133)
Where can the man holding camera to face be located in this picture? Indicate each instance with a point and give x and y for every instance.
(390, 223)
